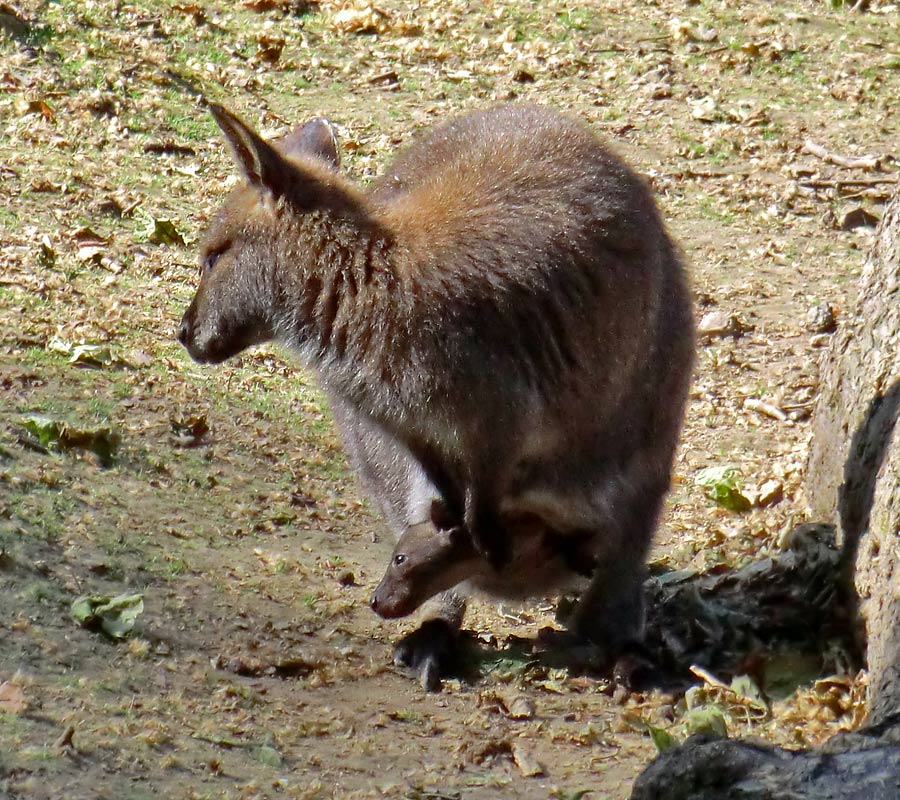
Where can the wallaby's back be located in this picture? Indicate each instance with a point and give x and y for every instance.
(550, 303)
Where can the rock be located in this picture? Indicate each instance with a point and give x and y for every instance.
(769, 493)
(821, 318)
(718, 324)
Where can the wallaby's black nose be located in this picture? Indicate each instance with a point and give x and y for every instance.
(184, 331)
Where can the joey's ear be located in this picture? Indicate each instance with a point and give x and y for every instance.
(440, 514)
(314, 138)
(460, 540)
(260, 163)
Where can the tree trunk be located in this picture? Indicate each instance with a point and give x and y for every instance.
(853, 475)
(853, 479)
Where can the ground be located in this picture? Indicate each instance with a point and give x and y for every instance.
(256, 668)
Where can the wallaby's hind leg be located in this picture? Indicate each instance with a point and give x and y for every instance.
(429, 650)
(610, 613)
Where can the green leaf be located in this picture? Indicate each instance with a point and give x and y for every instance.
(706, 719)
(114, 616)
(747, 689)
(56, 435)
(165, 232)
(269, 756)
(45, 429)
(661, 738)
(722, 484)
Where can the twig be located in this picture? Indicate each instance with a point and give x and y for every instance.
(708, 678)
(851, 162)
(64, 742)
(752, 404)
(837, 184)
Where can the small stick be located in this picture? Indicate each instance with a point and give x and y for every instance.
(851, 162)
(823, 184)
(768, 409)
(708, 677)
(65, 742)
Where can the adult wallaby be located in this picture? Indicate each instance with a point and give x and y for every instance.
(501, 324)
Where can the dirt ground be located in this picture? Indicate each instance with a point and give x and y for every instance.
(256, 669)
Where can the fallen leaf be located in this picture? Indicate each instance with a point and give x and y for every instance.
(12, 698)
(90, 254)
(722, 484)
(662, 739)
(519, 707)
(46, 253)
(165, 232)
(528, 765)
(189, 430)
(298, 7)
(27, 107)
(86, 235)
(269, 756)
(92, 355)
(114, 616)
(858, 218)
(269, 47)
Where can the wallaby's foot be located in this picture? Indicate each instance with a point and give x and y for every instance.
(428, 651)
(627, 663)
(634, 669)
(575, 652)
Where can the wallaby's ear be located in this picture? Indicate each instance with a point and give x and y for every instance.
(261, 163)
(314, 138)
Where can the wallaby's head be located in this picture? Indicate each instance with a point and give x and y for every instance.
(425, 562)
(250, 239)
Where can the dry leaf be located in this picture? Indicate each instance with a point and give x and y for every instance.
(528, 765)
(269, 47)
(12, 698)
(86, 236)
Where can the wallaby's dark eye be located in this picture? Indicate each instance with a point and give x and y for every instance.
(399, 559)
(211, 258)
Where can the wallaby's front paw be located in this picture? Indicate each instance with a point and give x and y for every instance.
(428, 651)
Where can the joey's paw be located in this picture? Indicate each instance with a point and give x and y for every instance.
(428, 651)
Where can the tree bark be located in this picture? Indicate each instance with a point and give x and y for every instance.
(853, 480)
(853, 474)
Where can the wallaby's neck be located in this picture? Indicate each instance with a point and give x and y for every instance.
(342, 299)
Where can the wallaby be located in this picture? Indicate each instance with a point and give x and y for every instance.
(500, 321)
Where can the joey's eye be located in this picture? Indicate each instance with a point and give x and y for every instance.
(399, 559)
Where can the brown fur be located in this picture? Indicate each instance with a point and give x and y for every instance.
(428, 560)
(500, 321)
